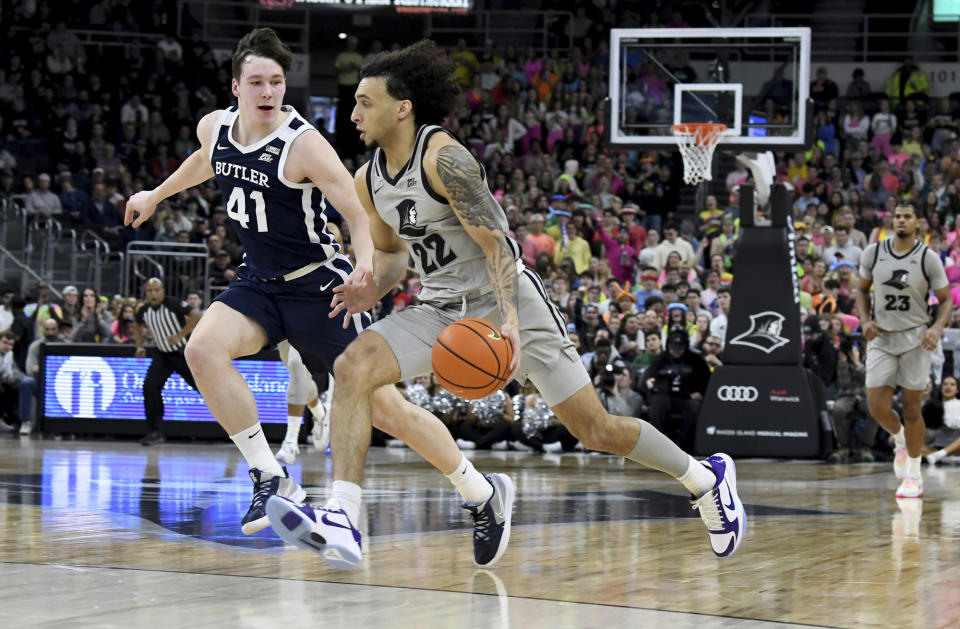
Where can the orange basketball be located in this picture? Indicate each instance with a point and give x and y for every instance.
(471, 358)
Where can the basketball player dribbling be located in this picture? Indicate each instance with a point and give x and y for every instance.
(427, 197)
(271, 166)
(902, 271)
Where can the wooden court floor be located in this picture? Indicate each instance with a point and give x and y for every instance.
(111, 534)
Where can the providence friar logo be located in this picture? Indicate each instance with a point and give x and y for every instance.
(408, 220)
(900, 279)
(764, 332)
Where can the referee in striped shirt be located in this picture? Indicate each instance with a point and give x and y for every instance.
(170, 322)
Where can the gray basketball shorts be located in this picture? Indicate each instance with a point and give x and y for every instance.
(897, 359)
(549, 358)
(301, 388)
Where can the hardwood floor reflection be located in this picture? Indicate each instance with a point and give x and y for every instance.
(105, 534)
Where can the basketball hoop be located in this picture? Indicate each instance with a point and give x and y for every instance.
(697, 141)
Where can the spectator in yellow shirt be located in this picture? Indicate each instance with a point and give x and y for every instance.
(913, 144)
(572, 246)
(798, 168)
(467, 63)
(906, 81)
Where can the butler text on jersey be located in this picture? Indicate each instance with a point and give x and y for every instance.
(241, 172)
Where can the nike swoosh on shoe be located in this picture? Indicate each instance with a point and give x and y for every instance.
(729, 510)
(356, 534)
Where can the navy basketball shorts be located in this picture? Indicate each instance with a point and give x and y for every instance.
(298, 311)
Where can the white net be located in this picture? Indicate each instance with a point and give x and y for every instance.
(697, 143)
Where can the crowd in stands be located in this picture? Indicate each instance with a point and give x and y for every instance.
(644, 288)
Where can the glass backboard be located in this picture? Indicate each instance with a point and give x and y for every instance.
(756, 81)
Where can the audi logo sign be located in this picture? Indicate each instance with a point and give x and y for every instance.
(730, 393)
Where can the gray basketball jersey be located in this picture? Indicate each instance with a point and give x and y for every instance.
(449, 261)
(901, 283)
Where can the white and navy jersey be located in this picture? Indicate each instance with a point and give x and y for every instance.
(164, 320)
(450, 262)
(281, 224)
(901, 283)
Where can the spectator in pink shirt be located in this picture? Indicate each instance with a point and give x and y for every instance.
(621, 256)
(637, 234)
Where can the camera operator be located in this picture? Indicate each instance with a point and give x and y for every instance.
(851, 403)
(596, 360)
(676, 381)
(614, 390)
(819, 355)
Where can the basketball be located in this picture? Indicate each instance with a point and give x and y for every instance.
(471, 358)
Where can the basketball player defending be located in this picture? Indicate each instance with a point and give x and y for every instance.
(271, 166)
(902, 271)
(426, 196)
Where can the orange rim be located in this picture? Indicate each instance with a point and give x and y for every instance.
(704, 133)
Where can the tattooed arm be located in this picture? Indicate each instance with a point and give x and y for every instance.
(455, 175)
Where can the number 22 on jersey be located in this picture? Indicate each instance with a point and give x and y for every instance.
(237, 208)
(434, 255)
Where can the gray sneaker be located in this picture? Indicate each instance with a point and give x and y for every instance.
(491, 521)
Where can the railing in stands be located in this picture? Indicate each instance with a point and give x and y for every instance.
(74, 256)
(117, 38)
(12, 211)
(108, 38)
(520, 28)
(43, 232)
(214, 290)
(867, 37)
(182, 267)
(100, 255)
(25, 272)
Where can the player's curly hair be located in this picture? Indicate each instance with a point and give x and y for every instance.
(422, 74)
(261, 42)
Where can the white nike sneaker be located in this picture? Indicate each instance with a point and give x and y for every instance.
(899, 462)
(288, 452)
(911, 487)
(326, 531)
(935, 457)
(721, 509)
(463, 444)
(321, 428)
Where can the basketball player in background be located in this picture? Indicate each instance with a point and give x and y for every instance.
(902, 271)
(275, 170)
(427, 196)
(302, 394)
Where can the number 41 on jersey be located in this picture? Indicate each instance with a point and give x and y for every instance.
(237, 208)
